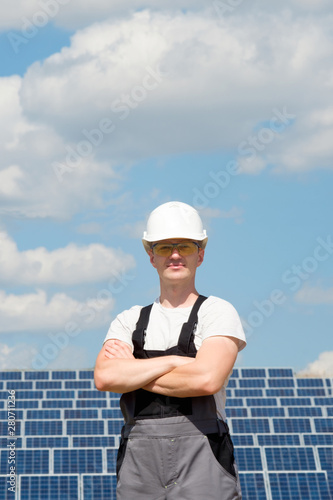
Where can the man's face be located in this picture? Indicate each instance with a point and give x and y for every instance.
(176, 267)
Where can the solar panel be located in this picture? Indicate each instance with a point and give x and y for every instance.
(94, 441)
(77, 384)
(4, 428)
(18, 414)
(93, 394)
(293, 425)
(318, 439)
(38, 375)
(253, 485)
(296, 402)
(235, 373)
(111, 459)
(5, 440)
(323, 424)
(261, 402)
(248, 459)
(91, 403)
(44, 414)
(281, 382)
(10, 375)
(289, 459)
(252, 382)
(250, 426)
(279, 393)
(280, 372)
(5, 494)
(112, 413)
(49, 487)
(100, 487)
(326, 458)
(299, 485)
(85, 427)
(47, 442)
(271, 411)
(311, 392)
(26, 395)
(48, 384)
(85, 413)
(248, 393)
(330, 412)
(115, 426)
(77, 461)
(243, 440)
(236, 412)
(253, 372)
(310, 382)
(26, 462)
(324, 401)
(43, 428)
(308, 411)
(57, 403)
(63, 375)
(60, 394)
(279, 440)
(234, 402)
(86, 374)
(27, 404)
(19, 385)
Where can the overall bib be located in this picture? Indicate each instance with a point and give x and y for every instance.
(173, 448)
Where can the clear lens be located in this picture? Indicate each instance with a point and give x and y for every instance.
(183, 248)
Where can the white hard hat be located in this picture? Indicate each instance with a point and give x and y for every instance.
(174, 220)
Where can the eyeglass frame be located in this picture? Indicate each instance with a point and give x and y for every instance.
(175, 245)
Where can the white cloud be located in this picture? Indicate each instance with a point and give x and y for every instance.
(322, 367)
(212, 70)
(35, 313)
(17, 357)
(314, 295)
(71, 265)
(74, 14)
(28, 357)
(161, 83)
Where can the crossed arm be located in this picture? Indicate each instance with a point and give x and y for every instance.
(117, 370)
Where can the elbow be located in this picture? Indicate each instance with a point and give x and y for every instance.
(100, 382)
(210, 385)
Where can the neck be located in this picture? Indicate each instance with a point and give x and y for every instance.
(175, 296)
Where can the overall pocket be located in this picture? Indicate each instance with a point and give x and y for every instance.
(223, 450)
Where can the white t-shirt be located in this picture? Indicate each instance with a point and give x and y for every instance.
(215, 317)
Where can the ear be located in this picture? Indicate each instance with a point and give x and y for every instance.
(201, 255)
(152, 258)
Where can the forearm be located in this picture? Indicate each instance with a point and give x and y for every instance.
(185, 381)
(124, 375)
(205, 376)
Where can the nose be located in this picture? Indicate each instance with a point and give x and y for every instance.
(175, 253)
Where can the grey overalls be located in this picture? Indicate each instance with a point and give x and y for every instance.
(173, 448)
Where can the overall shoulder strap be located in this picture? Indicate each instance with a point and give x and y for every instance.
(185, 343)
(138, 337)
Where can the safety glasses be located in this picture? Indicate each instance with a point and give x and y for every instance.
(183, 248)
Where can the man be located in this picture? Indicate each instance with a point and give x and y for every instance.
(171, 361)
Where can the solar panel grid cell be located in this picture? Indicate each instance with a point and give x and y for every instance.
(305, 486)
(248, 459)
(99, 487)
(77, 461)
(253, 486)
(49, 487)
(290, 459)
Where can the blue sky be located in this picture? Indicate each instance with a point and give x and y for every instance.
(109, 111)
